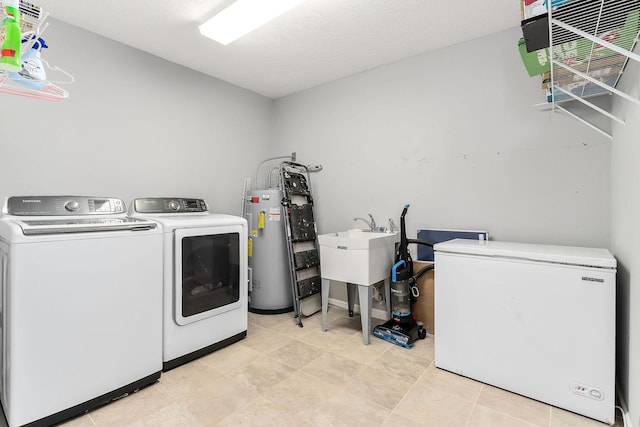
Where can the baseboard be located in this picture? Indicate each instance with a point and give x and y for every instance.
(623, 406)
(375, 312)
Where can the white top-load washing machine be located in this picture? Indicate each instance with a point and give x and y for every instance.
(81, 306)
(205, 276)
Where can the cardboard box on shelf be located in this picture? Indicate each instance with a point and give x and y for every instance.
(546, 80)
(583, 89)
(601, 74)
(423, 308)
(598, 69)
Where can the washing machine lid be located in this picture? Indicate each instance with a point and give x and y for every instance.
(71, 214)
(78, 225)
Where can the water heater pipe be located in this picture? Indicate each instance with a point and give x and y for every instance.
(292, 157)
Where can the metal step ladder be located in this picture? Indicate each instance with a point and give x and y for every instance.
(301, 230)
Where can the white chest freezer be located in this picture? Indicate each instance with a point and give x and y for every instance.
(537, 320)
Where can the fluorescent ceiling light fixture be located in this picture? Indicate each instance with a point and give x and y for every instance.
(244, 16)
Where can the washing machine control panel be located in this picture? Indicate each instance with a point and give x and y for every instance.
(64, 205)
(169, 205)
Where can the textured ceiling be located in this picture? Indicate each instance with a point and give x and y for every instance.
(319, 41)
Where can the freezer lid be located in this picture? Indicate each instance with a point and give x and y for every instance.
(572, 255)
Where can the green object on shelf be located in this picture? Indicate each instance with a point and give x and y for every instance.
(536, 62)
(10, 58)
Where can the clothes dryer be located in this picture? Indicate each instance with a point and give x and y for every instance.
(205, 303)
(81, 306)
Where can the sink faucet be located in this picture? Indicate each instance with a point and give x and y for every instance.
(392, 226)
(371, 224)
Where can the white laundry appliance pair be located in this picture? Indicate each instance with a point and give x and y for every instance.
(96, 303)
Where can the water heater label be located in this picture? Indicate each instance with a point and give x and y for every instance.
(274, 214)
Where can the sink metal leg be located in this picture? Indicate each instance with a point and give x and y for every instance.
(365, 294)
(351, 296)
(326, 284)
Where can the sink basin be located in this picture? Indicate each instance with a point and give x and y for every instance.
(357, 256)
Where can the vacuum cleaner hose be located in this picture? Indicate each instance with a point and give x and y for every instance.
(422, 271)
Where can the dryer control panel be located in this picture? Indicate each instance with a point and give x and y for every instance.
(64, 205)
(169, 205)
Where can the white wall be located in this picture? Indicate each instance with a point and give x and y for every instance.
(625, 237)
(454, 133)
(133, 126)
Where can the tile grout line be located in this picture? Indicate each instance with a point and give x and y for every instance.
(263, 394)
(475, 404)
(300, 369)
(365, 365)
(393, 411)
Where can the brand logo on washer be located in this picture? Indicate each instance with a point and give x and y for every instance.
(592, 279)
(31, 201)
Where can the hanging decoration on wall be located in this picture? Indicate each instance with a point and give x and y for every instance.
(22, 68)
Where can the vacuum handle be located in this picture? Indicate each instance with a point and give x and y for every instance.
(394, 270)
(403, 250)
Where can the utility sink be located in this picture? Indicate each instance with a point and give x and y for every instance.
(357, 256)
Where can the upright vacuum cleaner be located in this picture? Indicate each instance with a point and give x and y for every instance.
(403, 329)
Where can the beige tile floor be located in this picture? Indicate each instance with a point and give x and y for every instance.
(283, 375)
